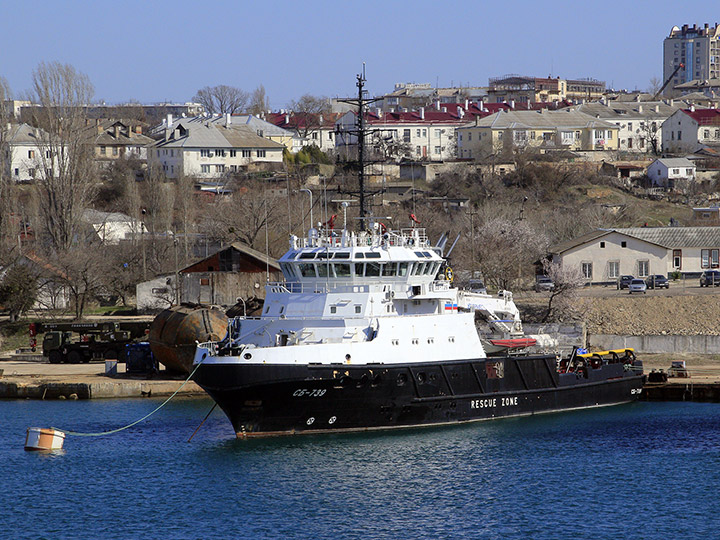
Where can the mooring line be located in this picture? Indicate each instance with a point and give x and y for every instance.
(100, 433)
(201, 423)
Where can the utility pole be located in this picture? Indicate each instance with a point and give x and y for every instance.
(472, 236)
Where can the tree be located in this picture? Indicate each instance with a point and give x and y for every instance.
(562, 302)
(259, 102)
(6, 186)
(18, 290)
(654, 85)
(222, 99)
(65, 181)
(509, 248)
(307, 113)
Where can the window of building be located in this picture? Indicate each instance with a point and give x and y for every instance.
(613, 269)
(630, 126)
(424, 132)
(437, 132)
(31, 173)
(103, 150)
(587, 270)
(623, 244)
(205, 168)
(115, 151)
(233, 153)
(406, 135)
(643, 268)
(246, 153)
(219, 168)
(204, 153)
(417, 150)
(676, 171)
(260, 153)
(706, 133)
(602, 244)
(714, 258)
(469, 136)
(688, 172)
(219, 152)
(437, 149)
(679, 135)
(677, 258)
(417, 132)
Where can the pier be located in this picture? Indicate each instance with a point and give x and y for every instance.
(30, 376)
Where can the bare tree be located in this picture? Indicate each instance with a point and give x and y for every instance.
(307, 113)
(6, 187)
(508, 250)
(65, 179)
(222, 99)
(259, 101)
(654, 85)
(562, 302)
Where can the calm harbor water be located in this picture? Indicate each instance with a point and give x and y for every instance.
(646, 470)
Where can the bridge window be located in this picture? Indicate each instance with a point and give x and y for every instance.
(359, 267)
(373, 269)
(402, 269)
(307, 270)
(322, 269)
(341, 270)
(390, 269)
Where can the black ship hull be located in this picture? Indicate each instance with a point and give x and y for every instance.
(264, 400)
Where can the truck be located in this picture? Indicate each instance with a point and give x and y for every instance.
(82, 341)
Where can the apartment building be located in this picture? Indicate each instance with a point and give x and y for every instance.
(696, 48)
(201, 148)
(544, 129)
(523, 89)
(423, 134)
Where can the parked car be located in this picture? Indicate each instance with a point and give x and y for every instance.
(657, 281)
(637, 285)
(624, 282)
(544, 283)
(710, 278)
(477, 286)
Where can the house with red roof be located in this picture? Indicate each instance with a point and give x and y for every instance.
(308, 128)
(425, 134)
(691, 130)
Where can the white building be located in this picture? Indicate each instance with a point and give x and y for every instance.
(427, 134)
(605, 254)
(27, 153)
(200, 147)
(689, 130)
(668, 172)
(639, 122)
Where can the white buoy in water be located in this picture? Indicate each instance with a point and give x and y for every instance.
(44, 439)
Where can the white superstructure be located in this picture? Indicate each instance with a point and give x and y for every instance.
(376, 296)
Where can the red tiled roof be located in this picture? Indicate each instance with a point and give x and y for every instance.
(293, 120)
(704, 117)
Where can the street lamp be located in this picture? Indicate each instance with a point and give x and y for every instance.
(309, 192)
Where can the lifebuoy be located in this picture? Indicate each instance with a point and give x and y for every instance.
(449, 274)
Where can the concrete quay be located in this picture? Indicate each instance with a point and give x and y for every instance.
(33, 377)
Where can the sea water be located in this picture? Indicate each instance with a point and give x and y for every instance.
(644, 470)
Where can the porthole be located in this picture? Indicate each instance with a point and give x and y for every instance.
(421, 378)
(401, 379)
(247, 356)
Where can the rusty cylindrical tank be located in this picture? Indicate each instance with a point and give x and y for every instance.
(174, 331)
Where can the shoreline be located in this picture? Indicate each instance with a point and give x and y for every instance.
(30, 376)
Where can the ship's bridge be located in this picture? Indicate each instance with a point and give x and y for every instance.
(367, 257)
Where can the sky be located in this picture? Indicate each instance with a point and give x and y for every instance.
(162, 51)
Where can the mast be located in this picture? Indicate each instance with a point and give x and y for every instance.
(360, 132)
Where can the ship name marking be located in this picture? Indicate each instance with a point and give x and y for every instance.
(493, 402)
(304, 392)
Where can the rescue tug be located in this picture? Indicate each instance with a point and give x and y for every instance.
(368, 332)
